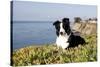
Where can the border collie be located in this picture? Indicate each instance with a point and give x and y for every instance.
(65, 37)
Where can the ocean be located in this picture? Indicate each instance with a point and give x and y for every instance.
(27, 33)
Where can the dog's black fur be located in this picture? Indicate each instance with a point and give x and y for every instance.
(57, 26)
(75, 40)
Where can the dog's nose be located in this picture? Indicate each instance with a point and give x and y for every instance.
(61, 33)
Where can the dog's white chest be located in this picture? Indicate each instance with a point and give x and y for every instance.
(62, 41)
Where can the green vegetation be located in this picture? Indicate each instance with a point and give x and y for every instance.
(50, 54)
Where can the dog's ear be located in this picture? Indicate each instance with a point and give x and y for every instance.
(56, 22)
(65, 20)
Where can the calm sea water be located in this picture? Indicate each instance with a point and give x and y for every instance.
(27, 33)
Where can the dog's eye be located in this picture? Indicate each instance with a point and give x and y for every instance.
(57, 27)
(64, 26)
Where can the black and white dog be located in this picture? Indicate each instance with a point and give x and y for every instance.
(65, 37)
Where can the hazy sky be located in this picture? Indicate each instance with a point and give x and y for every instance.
(37, 11)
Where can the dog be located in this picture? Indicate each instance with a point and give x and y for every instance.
(65, 37)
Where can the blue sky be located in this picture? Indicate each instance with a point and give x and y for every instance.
(37, 11)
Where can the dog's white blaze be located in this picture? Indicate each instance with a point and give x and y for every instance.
(62, 41)
(61, 28)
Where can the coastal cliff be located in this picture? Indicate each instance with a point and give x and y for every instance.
(85, 28)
